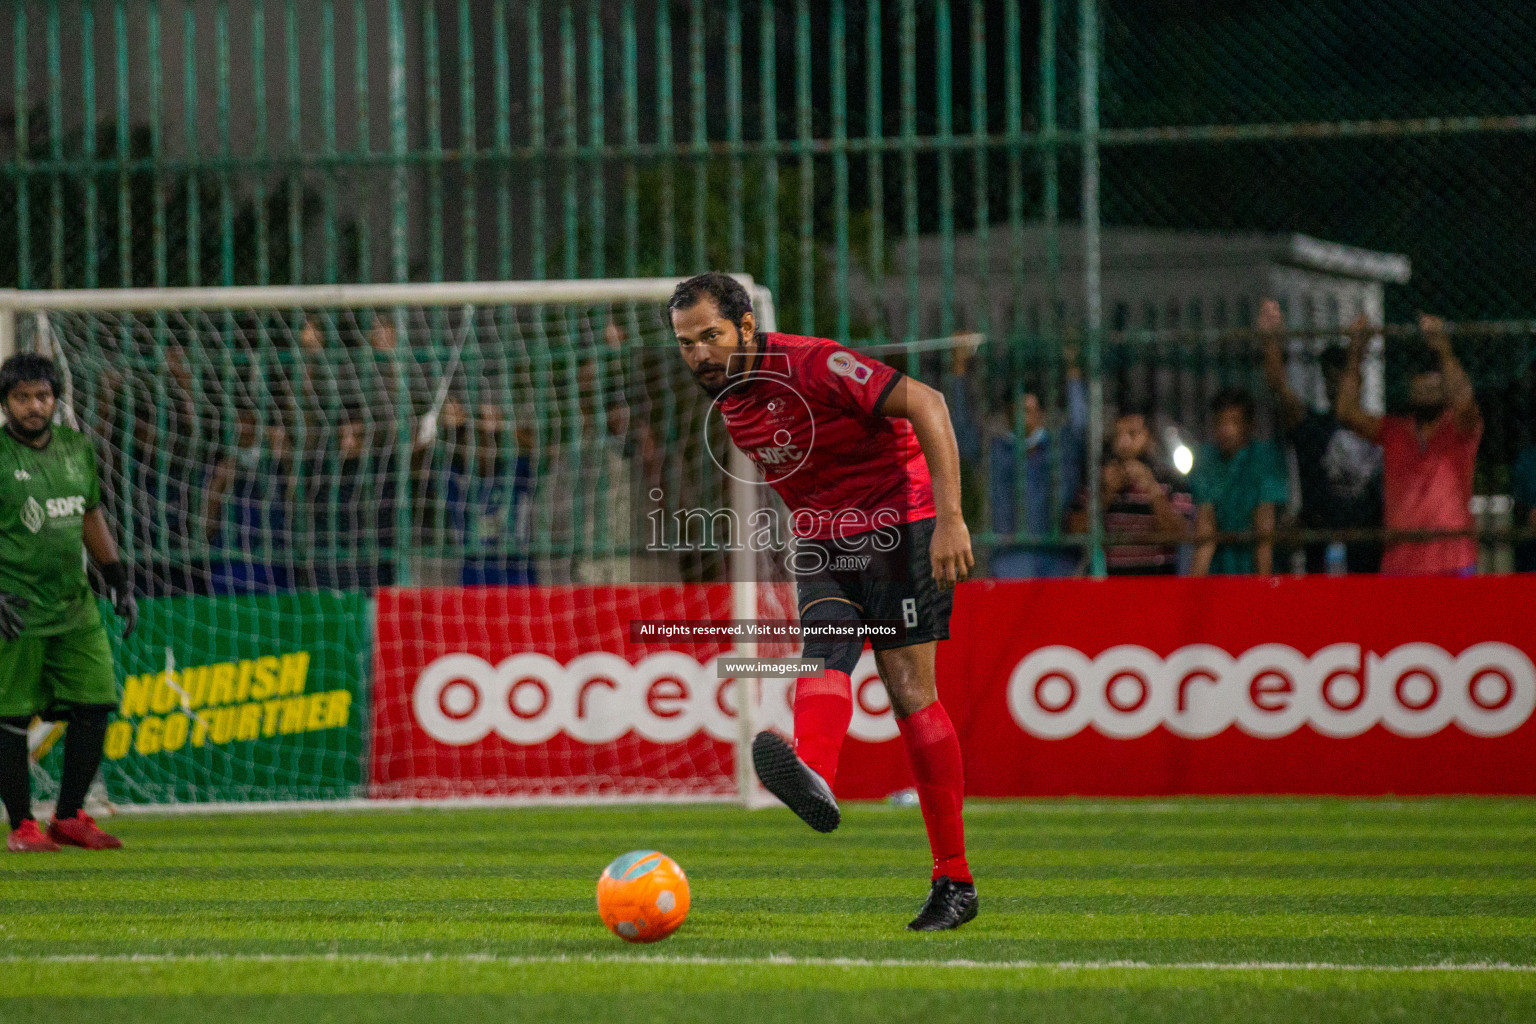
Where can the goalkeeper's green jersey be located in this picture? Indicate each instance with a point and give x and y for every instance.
(44, 496)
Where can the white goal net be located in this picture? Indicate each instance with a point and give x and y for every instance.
(389, 541)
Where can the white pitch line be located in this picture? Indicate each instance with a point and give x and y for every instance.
(772, 960)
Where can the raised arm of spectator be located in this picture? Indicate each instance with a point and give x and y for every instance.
(1349, 411)
(1205, 535)
(1271, 326)
(1264, 546)
(1460, 398)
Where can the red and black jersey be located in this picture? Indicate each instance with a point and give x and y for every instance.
(809, 417)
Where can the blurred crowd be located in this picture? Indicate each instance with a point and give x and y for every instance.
(287, 468)
(259, 468)
(1336, 489)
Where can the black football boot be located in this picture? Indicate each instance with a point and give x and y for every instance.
(794, 782)
(949, 905)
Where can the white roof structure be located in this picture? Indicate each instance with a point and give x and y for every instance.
(1152, 278)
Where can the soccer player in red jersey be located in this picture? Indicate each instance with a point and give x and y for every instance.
(865, 459)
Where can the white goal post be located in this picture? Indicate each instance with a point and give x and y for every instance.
(79, 327)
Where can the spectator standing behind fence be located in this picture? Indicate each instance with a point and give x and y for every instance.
(490, 503)
(583, 500)
(352, 506)
(1428, 455)
(1141, 504)
(965, 394)
(248, 510)
(1052, 465)
(1237, 483)
(1339, 471)
(145, 458)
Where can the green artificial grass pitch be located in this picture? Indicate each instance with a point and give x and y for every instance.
(1144, 910)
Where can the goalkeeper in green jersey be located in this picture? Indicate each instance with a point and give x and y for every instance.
(55, 660)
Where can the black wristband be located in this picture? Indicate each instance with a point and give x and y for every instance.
(116, 575)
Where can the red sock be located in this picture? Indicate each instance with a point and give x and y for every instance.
(934, 751)
(823, 709)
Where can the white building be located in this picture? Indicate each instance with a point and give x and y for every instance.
(1189, 285)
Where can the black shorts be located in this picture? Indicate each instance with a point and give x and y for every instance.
(891, 586)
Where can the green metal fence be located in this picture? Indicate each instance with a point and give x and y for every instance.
(276, 141)
(891, 169)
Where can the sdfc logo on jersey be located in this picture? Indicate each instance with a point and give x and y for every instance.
(844, 365)
(62, 508)
(34, 515)
(22, 474)
(777, 455)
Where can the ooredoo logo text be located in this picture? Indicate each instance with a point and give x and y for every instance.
(1196, 691)
(1271, 690)
(667, 697)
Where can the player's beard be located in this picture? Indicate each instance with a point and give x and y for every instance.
(15, 427)
(717, 389)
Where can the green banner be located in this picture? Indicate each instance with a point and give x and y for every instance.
(239, 699)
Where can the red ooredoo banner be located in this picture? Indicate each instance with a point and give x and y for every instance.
(1352, 685)
(1347, 685)
(539, 691)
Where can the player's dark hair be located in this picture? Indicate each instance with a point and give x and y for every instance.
(729, 295)
(1233, 398)
(25, 368)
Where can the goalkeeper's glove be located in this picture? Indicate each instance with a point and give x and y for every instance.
(120, 593)
(11, 623)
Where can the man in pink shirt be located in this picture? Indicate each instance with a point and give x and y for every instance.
(1428, 455)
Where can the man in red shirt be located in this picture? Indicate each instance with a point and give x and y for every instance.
(1428, 456)
(849, 443)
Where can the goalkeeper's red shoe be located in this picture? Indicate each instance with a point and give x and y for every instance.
(28, 838)
(81, 831)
